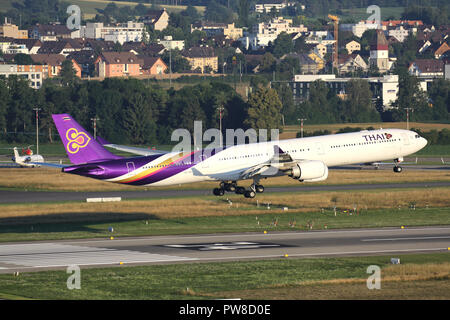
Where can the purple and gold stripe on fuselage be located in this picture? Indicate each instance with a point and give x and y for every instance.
(162, 170)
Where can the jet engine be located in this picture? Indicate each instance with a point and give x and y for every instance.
(309, 171)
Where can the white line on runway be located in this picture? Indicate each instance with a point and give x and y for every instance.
(60, 255)
(409, 238)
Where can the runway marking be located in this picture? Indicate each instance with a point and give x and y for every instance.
(223, 246)
(60, 255)
(409, 238)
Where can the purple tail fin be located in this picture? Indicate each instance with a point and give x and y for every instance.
(80, 146)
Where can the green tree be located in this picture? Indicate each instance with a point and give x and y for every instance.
(138, 121)
(357, 107)
(264, 110)
(67, 74)
(283, 44)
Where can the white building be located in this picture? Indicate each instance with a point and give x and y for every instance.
(34, 77)
(274, 6)
(359, 28)
(384, 89)
(170, 44)
(399, 33)
(125, 32)
(266, 32)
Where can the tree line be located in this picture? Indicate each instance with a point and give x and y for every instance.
(131, 111)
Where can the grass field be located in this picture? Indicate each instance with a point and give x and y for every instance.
(88, 7)
(308, 211)
(358, 14)
(418, 277)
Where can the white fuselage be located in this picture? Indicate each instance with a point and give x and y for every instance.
(332, 150)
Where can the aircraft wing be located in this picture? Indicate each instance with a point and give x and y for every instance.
(280, 161)
(135, 150)
(47, 164)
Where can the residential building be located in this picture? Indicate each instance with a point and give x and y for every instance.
(318, 59)
(427, 68)
(158, 19)
(348, 63)
(57, 47)
(171, 44)
(53, 62)
(13, 48)
(359, 28)
(33, 73)
(441, 50)
(117, 64)
(121, 32)
(384, 89)
(352, 46)
(201, 57)
(399, 33)
(266, 32)
(273, 6)
(277, 26)
(396, 23)
(12, 31)
(321, 49)
(52, 32)
(152, 65)
(229, 30)
(307, 65)
(85, 59)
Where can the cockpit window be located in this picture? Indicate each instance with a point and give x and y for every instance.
(417, 136)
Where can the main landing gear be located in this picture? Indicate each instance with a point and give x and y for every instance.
(397, 168)
(233, 187)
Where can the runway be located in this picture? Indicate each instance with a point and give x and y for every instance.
(14, 196)
(35, 256)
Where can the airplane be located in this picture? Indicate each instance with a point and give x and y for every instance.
(303, 159)
(28, 160)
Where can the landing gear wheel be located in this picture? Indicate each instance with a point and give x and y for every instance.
(398, 169)
(218, 192)
(240, 190)
(230, 187)
(259, 188)
(249, 194)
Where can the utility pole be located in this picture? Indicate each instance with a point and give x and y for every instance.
(95, 126)
(170, 66)
(220, 109)
(37, 129)
(407, 116)
(301, 126)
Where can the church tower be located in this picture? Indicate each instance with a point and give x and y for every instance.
(379, 52)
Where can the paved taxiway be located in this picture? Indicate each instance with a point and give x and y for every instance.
(36, 256)
(14, 196)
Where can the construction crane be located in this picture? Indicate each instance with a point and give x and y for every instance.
(335, 47)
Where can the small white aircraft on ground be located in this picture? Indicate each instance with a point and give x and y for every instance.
(28, 159)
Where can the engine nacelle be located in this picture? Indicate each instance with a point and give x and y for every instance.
(310, 171)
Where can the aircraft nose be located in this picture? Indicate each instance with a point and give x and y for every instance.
(424, 142)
